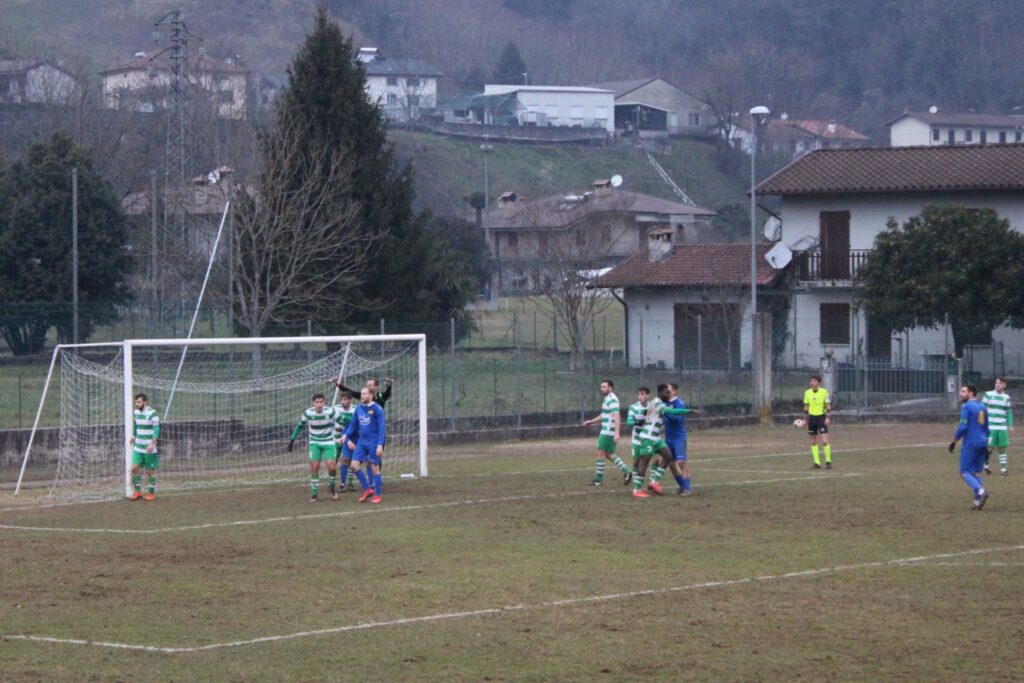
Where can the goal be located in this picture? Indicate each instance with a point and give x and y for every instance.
(226, 406)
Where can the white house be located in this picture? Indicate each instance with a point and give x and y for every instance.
(655, 106)
(34, 81)
(835, 202)
(795, 137)
(403, 87)
(549, 105)
(935, 127)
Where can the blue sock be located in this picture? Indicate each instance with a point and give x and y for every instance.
(378, 481)
(680, 481)
(361, 475)
(972, 481)
(687, 485)
(343, 476)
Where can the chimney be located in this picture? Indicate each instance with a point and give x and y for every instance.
(507, 201)
(602, 187)
(659, 244)
(367, 54)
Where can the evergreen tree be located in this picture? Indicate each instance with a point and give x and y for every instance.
(510, 67)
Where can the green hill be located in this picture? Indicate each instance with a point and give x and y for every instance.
(448, 170)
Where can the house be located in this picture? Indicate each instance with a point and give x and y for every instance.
(549, 105)
(936, 127)
(835, 201)
(26, 81)
(145, 83)
(792, 138)
(595, 229)
(403, 87)
(685, 304)
(655, 106)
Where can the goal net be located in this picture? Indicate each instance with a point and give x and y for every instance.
(227, 407)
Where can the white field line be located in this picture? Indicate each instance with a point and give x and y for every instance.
(756, 456)
(972, 564)
(729, 469)
(364, 510)
(492, 611)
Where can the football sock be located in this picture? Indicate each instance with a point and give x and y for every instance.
(314, 485)
(345, 478)
(137, 481)
(361, 475)
(680, 481)
(656, 474)
(378, 482)
(621, 465)
(351, 477)
(687, 484)
(828, 452)
(814, 453)
(1002, 460)
(330, 482)
(638, 481)
(972, 481)
(152, 484)
(599, 476)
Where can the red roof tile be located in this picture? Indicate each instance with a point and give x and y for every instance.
(901, 169)
(691, 265)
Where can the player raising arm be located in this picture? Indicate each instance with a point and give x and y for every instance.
(365, 436)
(611, 428)
(973, 429)
(379, 397)
(320, 421)
(145, 434)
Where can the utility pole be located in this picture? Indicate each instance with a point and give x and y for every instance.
(486, 148)
(74, 254)
(231, 262)
(153, 275)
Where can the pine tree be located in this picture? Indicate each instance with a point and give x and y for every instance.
(510, 68)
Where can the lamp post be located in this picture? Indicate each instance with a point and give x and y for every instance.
(486, 147)
(758, 115)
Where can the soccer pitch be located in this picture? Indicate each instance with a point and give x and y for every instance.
(507, 565)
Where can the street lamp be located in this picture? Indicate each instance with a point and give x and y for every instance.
(485, 147)
(758, 115)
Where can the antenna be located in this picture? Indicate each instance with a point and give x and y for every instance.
(616, 180)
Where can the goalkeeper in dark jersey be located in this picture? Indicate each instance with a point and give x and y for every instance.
(373, 384)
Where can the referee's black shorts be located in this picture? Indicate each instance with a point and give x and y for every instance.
(816, 425)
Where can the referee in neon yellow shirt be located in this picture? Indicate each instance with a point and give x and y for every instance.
(817, 414)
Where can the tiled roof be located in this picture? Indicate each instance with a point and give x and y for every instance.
(14, 66)
(830, 130)
(901, 169)
(386, 66)
(163, 63)
(942, 118)
(555, 212)
(691, 265)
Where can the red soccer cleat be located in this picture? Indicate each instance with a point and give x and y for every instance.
(375, 500)
(655, 488)
(641, 494)
(135, 496)
(149, 496)
(366, 495)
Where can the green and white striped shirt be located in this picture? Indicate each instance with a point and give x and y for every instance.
(655, 420)
(321, 425)
(1000, 414)
(609, 409)
(343, 419)
(146, 428)
(638, 416)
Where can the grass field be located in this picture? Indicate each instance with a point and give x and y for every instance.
(506, 565)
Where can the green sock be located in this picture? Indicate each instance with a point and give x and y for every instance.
(656, 474)
(814, 452)
(621, 465)
(638, 481)
(137, 482)
(152, 484)
(828, 453)
(600, 470)
(314, 486)
(351, 477)
(330, 481)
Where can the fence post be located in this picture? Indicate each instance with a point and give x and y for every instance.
(519, 384)
(19, 400)
(864, 376)
(544, 381)
(494, 388)
(455, 372)
(535, 329)
(762, 350)
(700, 359)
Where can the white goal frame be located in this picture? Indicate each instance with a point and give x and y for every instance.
(129, 392)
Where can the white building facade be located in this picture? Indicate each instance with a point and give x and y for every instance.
(35, 82)
(932, 128)
(404, 88)
(568, 106)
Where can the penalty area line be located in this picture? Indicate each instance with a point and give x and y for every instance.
(496, 611)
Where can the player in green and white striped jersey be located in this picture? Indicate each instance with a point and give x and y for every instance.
(145, 435)
(636, 417)
(321, 422)
(611, 427)
(1000, 423)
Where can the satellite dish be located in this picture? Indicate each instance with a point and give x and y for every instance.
(779, 256)
(805, 243)
(784, 116)
(773, 229)
(616, 180)
(933, 109)
(213, 177)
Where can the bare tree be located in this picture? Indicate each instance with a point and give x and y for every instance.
(415, 98)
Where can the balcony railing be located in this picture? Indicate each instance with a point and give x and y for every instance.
(826, 267)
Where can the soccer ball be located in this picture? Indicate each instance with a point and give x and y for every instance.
(798, 423)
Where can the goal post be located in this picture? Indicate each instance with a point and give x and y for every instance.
(232, 406)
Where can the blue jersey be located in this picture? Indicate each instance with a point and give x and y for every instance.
(367, 425)
(973, 426)
(675, 425)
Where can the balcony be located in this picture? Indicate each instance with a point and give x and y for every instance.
(829, 268)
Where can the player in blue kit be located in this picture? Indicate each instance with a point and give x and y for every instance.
(365, 436)
(675, 437)
(973, 429)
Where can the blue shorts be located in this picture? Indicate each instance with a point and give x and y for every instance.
(366, 453)
(346, 452)
(972, 458)
(677, 447)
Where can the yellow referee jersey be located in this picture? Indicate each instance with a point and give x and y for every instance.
(816, 401)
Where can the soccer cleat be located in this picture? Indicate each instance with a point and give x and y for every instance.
(685, 492)
(655, 488)
(627, 478)
(343, 488)
(135, 496)
(375, 500)
(597, 482)
(366, 495)
(815, 466)
(1003, 472)
(334, 496)
(982, 497)
(988, 470)
(312, 499)
(828, 466)
(149, 496)
(641, 494)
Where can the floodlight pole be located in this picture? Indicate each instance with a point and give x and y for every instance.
(757, 114)
(74, 254)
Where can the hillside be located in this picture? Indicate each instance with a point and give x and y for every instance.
(448, 170)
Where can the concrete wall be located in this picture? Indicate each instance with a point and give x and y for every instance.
(907, 132)
(556, 107)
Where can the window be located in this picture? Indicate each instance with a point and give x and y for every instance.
(968, 135)
(983, 136)
(513, 241)
(414, 100)
(412, 82)
(552, 112)
(392, 98)
(601, 113)
(1002, 136)
(935, 134)
(950, 136)
(694, 119)
(392, 80)
(835, 323)
(581, 238)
